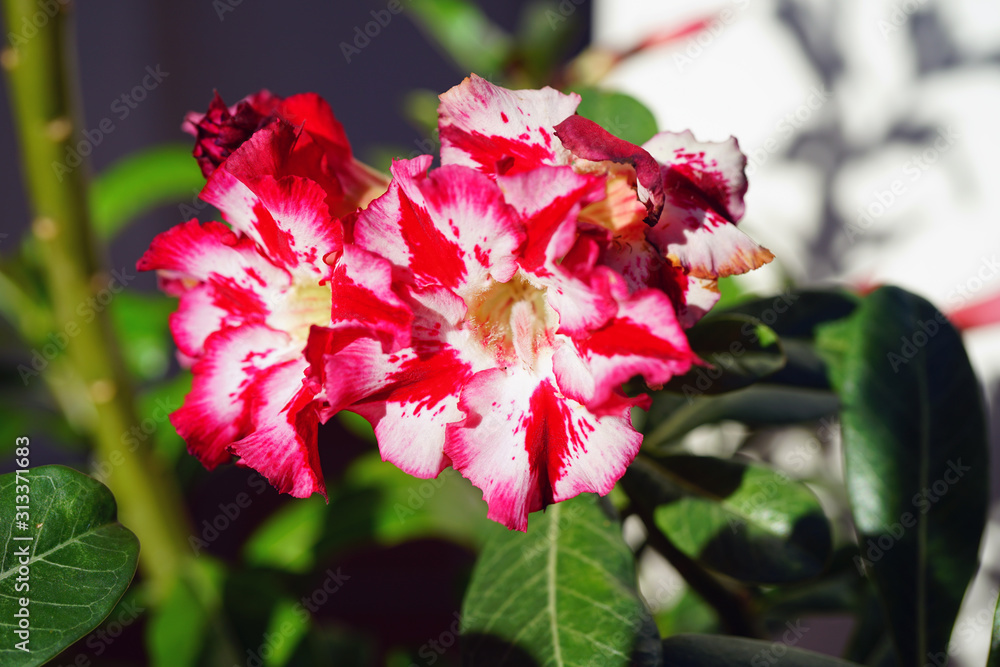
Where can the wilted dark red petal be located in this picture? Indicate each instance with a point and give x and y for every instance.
(221, 130)
(588, 140)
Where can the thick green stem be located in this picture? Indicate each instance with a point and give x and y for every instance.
(733, 607)
(39, 75)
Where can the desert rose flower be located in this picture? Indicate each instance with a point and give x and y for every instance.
(672, 204)
(488, 312)
(281, 173)
(476, 327)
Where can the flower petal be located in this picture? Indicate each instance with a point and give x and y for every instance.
(450, 228)
(549, 200)
(215, 413)
(644, 339)
(282, 444)
(704, 185)
(223, 280)
(527, 446)
(502, 131)
(588, 140)
(363, 297)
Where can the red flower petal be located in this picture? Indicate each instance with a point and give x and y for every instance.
(588, 140)
(704, 185)
(526, 445)
(502, 131)
(282, 444)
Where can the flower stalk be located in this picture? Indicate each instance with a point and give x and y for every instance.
(39, 70)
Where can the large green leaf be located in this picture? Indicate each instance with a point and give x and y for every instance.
(739, 350)
(746, 521)
(137, 183)
(563, 593)
(80, 560)
(795, 313)
(716, 651)
(620, 114)
(916, 468)
(798, 317)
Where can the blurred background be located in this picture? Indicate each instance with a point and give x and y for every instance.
(871, 130)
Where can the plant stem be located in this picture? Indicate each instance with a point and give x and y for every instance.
(732, 607)
(39, 75)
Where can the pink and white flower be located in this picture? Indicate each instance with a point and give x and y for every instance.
(250, 292)
(488, 312)
(672, 204)
(480, 330)
(484, 315)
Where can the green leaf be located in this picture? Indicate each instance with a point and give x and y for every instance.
(141, 321)
(690, 614)
(795, 313)
(420, 107)
(562, 593)
(81, 560)
(740, 351)
(717, 651)
(380, 502)
(671, 417)
(139, 182)
(800, 317)
(745, 521)
(287, 538)
(915, 448)
(543, 36)
(155, 405)
(185, 625)
(620, 114)
(465, 33)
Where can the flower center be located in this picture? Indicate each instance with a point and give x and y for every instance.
(513, 320)
(620, 209)
(304, 305)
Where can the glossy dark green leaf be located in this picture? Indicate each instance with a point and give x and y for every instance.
(742, 520)
(798, 317)
(716, 651)
(80, 560)
(795, 313)
(562, 593)
(915, 450)
(465, 33)
(139, 182)
(620, 114)
(672, 416)
(739, 350)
